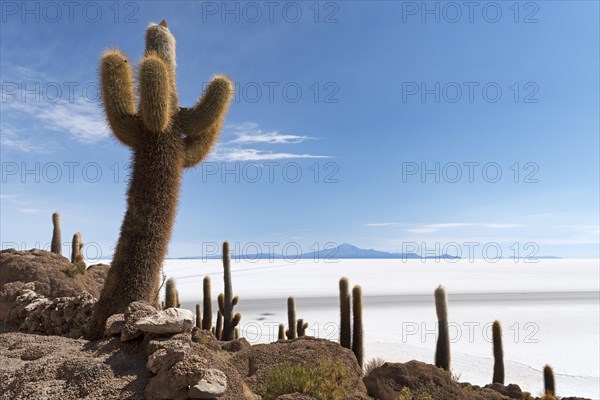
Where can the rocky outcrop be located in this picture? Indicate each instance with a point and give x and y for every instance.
(167, 322)
(255, 363)
(47, 271)
(387, 382)
(63, 316)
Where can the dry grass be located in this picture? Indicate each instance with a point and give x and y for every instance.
(325, 380)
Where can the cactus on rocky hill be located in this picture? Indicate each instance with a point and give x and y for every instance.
(165, 139)
(206, 304)
(56, 244)
(345, 332)
(230, 321)
(357, 324)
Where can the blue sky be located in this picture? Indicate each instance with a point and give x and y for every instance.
(360, 98)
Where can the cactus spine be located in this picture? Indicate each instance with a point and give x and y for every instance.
(549, 381)
(171, 294)
(345, 335)
(357, 324)
(281, 332)
(291, 310)
(207, 304)
(442, 351)
(56, 245)
(198, 316)
(165, 139)
(498, 353)
(301, 327)
(230, 321)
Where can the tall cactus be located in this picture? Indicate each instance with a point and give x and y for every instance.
(171, 294)
(301, 327)
(198, 316)
(357, 324)
(230, 321)
(56, 245)
(291, 311)
(549, 381)
(165, 139)
(442, 350)
(498, 353)
(345, 333)
(206, 304)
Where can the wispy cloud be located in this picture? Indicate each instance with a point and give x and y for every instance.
(249, 132)
(233, 155)
(81, 119)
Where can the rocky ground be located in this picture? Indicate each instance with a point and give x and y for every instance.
(158, 354)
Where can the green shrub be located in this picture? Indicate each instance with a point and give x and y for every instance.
(325, 380)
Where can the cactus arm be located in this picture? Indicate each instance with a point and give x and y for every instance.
(155, 93)
(203, 122)
(118, 96)
(210, 110)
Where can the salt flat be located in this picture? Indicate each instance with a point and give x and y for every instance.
(549, 310)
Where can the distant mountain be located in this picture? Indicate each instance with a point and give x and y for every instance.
(342, 251)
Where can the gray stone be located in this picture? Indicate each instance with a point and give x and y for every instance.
(213, 384)
(169, 321)
(134, 312)
(114, 325)
(165, 358)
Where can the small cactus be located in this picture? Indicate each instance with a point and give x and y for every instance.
(236, 334)
(357, 325)
(291, 310)
(301, 327)
(498, 353)
(75, 247)
(198, 316)
(207, 304)
(230, 321)
(281, 332)
(345, 333)
(442, 351)
(549, 381)
(219, 328)
(171, 293)
(56, 245)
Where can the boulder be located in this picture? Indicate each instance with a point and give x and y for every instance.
(167, 322)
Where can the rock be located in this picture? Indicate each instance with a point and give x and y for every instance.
(255, 362)
(202, 336)
(164, 358)
(63, 316)
(114, 325)
(152, 341)
(513, 391)
(45, 270)
(235, 345)
(134, 312)
(159, 388)
(387, 381)
(169, 321)
(213, 384)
